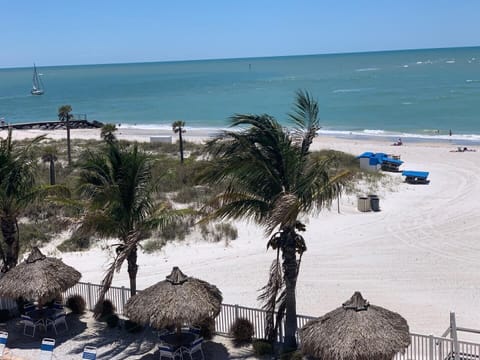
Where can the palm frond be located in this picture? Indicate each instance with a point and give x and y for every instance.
(305, 118)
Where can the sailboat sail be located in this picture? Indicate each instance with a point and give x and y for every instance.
(37, 85)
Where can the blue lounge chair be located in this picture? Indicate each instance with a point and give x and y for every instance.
(46, 349)
(416, 177)
(3, 342)
(89, 353)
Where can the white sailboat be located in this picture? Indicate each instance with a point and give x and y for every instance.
(37, 85)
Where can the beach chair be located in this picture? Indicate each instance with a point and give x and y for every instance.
(57, 319)
(46, 349)
(29, 307)
(58, 306)
(29, 323)
(3, 342)
(167, 352)
(196, 347)
(195, 330)
(89, 353)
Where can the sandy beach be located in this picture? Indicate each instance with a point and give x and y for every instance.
(418, 256)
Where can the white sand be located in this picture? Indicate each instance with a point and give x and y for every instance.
(419, 256)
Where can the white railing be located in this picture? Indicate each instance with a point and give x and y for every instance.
(422, 347)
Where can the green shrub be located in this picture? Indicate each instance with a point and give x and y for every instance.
(242, 330)
(132, 327)
(76, 242)
(177, 230)
(218, 232)
(291, 355)
(152, 245)
(104, 310)
(112, 321)
(262, 347)
(226, 231)
(77, 304)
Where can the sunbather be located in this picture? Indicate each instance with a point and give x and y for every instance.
(460, 149)
(398, 143)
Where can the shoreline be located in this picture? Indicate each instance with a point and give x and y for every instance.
(143, 133)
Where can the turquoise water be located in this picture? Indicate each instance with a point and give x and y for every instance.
(417, 92)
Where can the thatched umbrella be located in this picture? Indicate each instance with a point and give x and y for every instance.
(356, 331)
(38, 278)
(177, 300)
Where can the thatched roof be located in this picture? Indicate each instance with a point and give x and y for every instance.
(356, 331)
(38, 278)
(177, 300)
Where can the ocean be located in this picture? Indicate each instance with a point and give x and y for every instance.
(417, 93)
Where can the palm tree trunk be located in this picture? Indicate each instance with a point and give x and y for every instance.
(10, 235)
(69, 150)
(290, 277)
(52, 172)
(132, 270)
(181, 144)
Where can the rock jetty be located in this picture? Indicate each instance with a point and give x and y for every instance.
(55, 125)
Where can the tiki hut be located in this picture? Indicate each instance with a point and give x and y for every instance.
(177, 300)
(356, 331)
(38, 278)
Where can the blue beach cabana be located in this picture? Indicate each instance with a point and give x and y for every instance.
(377, 161)
(416, 177)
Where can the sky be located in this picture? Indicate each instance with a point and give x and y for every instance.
(54, 32)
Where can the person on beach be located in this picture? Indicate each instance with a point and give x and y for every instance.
(398, 143)
(450, 132)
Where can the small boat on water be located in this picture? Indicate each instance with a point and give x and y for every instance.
(37, 85)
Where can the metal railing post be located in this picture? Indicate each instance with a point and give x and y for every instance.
(430, 348)
(124, 301)
(236, 312)
(89, 295)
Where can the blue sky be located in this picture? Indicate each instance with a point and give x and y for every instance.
(54, 32)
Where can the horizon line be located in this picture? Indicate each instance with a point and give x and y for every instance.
(243, 58)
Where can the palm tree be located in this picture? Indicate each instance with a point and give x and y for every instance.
(119, 185)
(17, 190)
(64, 114)
(271, 177)
(107, 132)
(50, 156)
(179, 127)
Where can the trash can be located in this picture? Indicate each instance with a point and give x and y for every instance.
(363, 204)
(374, 202)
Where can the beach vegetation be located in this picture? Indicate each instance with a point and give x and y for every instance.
(242, 331)
(77, 304)
(218, 232)
(104, 309)
(65, 115)
(119, 187)
(76, 242)
(270, 176)
(291, 355)
(34, 234)
(178, 127)
(18, 189)
(262, 347)
(107, 133)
